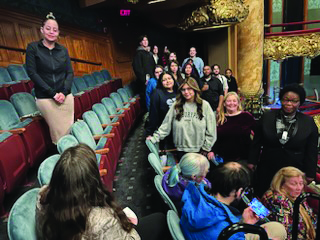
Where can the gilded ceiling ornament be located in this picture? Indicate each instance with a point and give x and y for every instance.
(133, 1)
(282, 47)
(218, 12)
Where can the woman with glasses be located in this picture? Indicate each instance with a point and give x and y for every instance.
(284, 137)
(191, 121)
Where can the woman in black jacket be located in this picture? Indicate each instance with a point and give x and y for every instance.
(49, 67)
(284, 138)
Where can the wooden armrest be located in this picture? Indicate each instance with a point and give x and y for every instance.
(102, 151)
(25, 81)
(14, 131)
(169, 150)
(35, 118)
(129, 102)
(123, 109)
(116, 115)
(6, 85)
(103, 172)
(111, 124)
(166, 168)
(107, 135)
(137, 97)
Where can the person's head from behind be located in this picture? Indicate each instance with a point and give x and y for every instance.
(158, 71)
(143, 41)
(228, 72)
(167, 82)
(229, 180)
(193, 52)
(50, 28)
(75, 188)
(289, 181)
(207, 71)
(215, 69)
(173, 56)
(192, 166)
(292, 96)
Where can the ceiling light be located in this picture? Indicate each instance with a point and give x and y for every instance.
(156, 1)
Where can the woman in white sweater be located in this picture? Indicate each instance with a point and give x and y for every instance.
(191, 120)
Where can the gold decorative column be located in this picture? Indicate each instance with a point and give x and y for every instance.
(250, 49)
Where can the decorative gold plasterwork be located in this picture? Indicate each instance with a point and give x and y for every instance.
(317, 121)
(282, 47)
(218, 12)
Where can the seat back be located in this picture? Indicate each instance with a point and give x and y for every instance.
(163, 194)
(80, 84)
(83, 134)
(106, 74)
(66, 142)
(4, 75)
(153, 147)
(17, 72)
(117, 99)
(25, 104)
(123, 94)
(98, 77)
(102, 113)
(46, 169)
(74, 89)
(90, 81)
(22, 217)
(173, 221)
(155, 163)
(109, 105)
(93, 122)
(8, 116)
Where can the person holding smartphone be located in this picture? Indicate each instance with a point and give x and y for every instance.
(205, 215)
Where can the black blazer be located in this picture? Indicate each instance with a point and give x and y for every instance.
(300, 151)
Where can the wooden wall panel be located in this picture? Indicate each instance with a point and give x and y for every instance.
(17, 30)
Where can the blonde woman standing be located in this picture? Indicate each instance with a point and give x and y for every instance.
(49, 67)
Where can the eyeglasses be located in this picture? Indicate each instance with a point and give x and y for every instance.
(186, 89)
(294, 101)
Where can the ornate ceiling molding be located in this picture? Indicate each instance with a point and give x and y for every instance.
(282, 47)
(218, 12)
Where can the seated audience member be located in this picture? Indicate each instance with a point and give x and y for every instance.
(152, 84)
(162, 98)
(223, 79)
(212, 90)
(192, 167)
(234, 130)
(191, 121)
(232, 82)
(175, 71)
(286, 186)
(76, 205)
(204, 216)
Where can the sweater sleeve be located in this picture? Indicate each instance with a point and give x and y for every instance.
(33, 74)
(211, 128)
(165, 128)
(69, 75)
(311, 153)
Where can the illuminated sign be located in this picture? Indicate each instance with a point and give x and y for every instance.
(124, 12)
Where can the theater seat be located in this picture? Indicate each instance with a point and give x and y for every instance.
(154, 148)
(46, 168)
(83, 87)
(163, 194)
(19, 74)
(155, 163)
(135, 103)
(94, 86)
(125, 106)
(8, 87)
(13, 161)
(105, 84)
(77, 102)
(117, 82)
(2, 210)
(83, 96)
(22, 217)
(173, 221)
(28, 129)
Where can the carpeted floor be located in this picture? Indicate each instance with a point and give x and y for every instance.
(133, 186)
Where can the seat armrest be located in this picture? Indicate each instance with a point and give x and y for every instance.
(35, 118)
(25, 81)
(102, 151)
(14, 131)
(123, 109)
(166, 168)
(168, 150)
(116, 115)
(110, 124)
(103, 172)
(107, 135)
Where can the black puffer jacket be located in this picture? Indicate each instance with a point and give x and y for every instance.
(143, 63)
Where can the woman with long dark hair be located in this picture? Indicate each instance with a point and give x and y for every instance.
(175, 71)
(190, 70)
(76, 205)
(191, 120)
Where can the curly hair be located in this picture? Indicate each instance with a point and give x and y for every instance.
(180, 100)
(75, 188)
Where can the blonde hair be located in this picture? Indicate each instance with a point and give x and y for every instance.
(277, 185)
(222, 114)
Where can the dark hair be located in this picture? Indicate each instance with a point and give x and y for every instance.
(75, 188)
(160, 86)
(194, 73)
(212, 67)
(228, 69)
(142, 37)
(48, 17)
(296, 88)
(180, 100)
(180, 79)
(228, 177)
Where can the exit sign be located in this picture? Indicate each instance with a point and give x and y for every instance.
(124, 12)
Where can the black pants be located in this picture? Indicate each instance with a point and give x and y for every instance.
(153, 227)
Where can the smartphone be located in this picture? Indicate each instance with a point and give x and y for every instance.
(259, 208)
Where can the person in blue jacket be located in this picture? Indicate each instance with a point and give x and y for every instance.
(152, 84)
(204, 215)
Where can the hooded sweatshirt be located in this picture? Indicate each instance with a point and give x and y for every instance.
(143, 64)
(204, 217)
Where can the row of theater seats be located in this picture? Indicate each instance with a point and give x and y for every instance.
(25, 138)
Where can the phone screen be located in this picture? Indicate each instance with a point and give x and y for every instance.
(259, 208)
